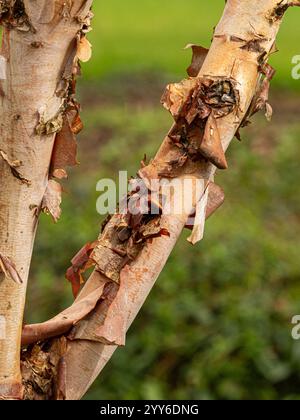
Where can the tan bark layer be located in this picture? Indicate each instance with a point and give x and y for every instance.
(245, 31)
(37, 39)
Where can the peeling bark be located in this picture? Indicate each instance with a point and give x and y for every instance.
(40, 117)
(89, 299)
(225, 60)
(37, 78)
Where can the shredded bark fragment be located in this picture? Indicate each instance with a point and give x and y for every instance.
(279, 11)
(267, 70)
(84, 49)
(80, 263)
(125, 234)
(109, 261)
(254, 45)
(67, 122)
(12, 163)
(211, 145)
(113, 326)
(60, 173)
(177, 95)
(196, 98)
(199, 55)
(62, 323)
(200, 217)
(261, 98)
(196, 104)
(64, 150)
(40, 370)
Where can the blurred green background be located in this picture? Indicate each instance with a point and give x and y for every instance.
(218, 323)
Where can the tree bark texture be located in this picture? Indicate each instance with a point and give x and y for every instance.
(226, 86)
(39, 39)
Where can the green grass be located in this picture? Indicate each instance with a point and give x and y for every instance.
(137, 35)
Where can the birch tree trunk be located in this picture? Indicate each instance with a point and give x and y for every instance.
(39, 37)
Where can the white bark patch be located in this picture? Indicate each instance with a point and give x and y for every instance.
(51, 119)
(2, 67)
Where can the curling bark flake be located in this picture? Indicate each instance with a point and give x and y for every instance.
(37, 65)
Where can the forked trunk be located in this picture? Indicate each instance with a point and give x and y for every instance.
(228, 84)
(39, 37)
